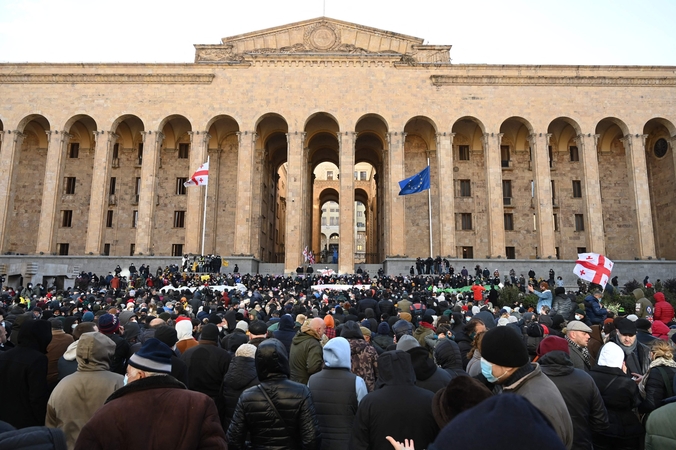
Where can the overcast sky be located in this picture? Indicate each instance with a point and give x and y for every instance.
(588, 32)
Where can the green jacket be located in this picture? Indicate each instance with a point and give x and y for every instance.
(660, 429)
(306, 357)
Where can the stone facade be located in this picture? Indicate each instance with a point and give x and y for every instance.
(587, 151)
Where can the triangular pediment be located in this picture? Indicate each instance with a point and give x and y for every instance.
(321, 36)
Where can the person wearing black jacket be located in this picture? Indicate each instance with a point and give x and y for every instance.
(427, 374)
(240, 377)
(278, 413)
(447, 356)
(578, 390)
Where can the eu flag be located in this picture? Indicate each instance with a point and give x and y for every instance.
(417, 183)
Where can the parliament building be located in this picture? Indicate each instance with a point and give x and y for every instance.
(527, 161)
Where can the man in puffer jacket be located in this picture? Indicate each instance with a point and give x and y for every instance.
(294, 424)
(592, 307)
(664, 312)
(562, 305)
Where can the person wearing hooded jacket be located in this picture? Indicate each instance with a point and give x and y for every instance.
(23, 375)
(297, 428)
(447, 356)
(335, 413)
(582, 397)
(77, 397)
(364, 356)
(285, 332)
(241, 376)
(399, 408)
(644, 307)
(664, 312)
(427, 374)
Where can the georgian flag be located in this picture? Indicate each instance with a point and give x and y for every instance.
(200, 177)
(594, 268)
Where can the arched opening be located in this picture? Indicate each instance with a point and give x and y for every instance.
(28, 177)
(75, 184)
(419, 152)
(661, 165)
(566, 167)
(222, 148)
(172, 199)
(124, 185)
(619, 208)
(271, 151)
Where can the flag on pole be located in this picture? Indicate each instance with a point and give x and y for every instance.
(200, 177)
(594, 268)
(417, 183)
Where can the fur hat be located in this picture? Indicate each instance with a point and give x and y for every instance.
(461, 394)
(108, 324)
(153, 356)
(246, 350)
(505, 347)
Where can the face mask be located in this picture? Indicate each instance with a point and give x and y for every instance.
(126, 379)
(452, 321)
(487, 371)
(578, 317)
(74, 325)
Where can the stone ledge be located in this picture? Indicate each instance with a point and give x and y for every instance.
(497, 80)
(116, 78)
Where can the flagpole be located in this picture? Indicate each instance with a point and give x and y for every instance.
(204, 216)
(429, 209)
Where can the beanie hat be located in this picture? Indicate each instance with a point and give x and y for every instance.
(643, 324)
(153, 356)
(246, 350)
(258, 328)
(365, 331)
(427, 318)
(581, 312)
(108, 324)
(209, 333)
(559, 290)
(241, 325)
(552, 343)
(88, 317)
(505, 347)
(632, 317)
(407, 342)
(165, 316)
(215, 319)
(166, 334)
(502, 321)
(383, 328)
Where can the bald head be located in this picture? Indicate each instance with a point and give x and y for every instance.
(157, 323)
(318, 325)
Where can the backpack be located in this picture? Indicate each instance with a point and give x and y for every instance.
(671, 388)
(418, 309)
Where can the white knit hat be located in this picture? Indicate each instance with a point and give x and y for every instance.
(246, 350)
(611, 356)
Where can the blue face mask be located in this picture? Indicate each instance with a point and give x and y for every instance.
(487, 371)
(126, 379)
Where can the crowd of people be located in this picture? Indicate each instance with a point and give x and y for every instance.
(331, 362)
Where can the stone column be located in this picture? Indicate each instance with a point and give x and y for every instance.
(98, 200)
(51, 190)
(346, 248)
(243, 214)
(294, 242)
(152, 142)
(634, 146)
(542, 180)
(199, 141)
(10, 146)
(495, 208)
(395, 222)
(586, 144)
(446, 195)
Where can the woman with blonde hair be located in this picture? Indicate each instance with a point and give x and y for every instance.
(657, 384)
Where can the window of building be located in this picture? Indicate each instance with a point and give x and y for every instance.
(535, 222)
(582, 249)
(176, 249)
(66, 218)
(183, 151)
(468, 252)
(574, 154)
(62, 249)
(333, 221)
(507, 192)
(579, 222)
(137, 188)
(109, 219)
(532, 189)
(360, 248)
(465, 188)
(577, 189)
(140, 154)
(74, 151)
(660, 148)
(558, 255)
(179, 219)
(504, 155)
(509, 222)
(134, 218)
(323, 221)
(510, 252)
(360, 213)
(362, 176)
(329, 175)
(551, 157)
(553, 192)
(132, 249)
(69, 185)
(113, 186)
(556, 222)
(116, 151)
(463, 152)
(466, 219)
(180, 186)
(106, 249)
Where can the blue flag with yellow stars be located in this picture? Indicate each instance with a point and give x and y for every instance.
(417, 183)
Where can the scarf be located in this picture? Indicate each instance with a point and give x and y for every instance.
(630, 355)
(584, 351)
(426, 325)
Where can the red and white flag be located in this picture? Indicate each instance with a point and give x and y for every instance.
(594, 268)
(200, 177)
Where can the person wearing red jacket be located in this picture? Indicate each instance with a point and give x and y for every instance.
(664, 312)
